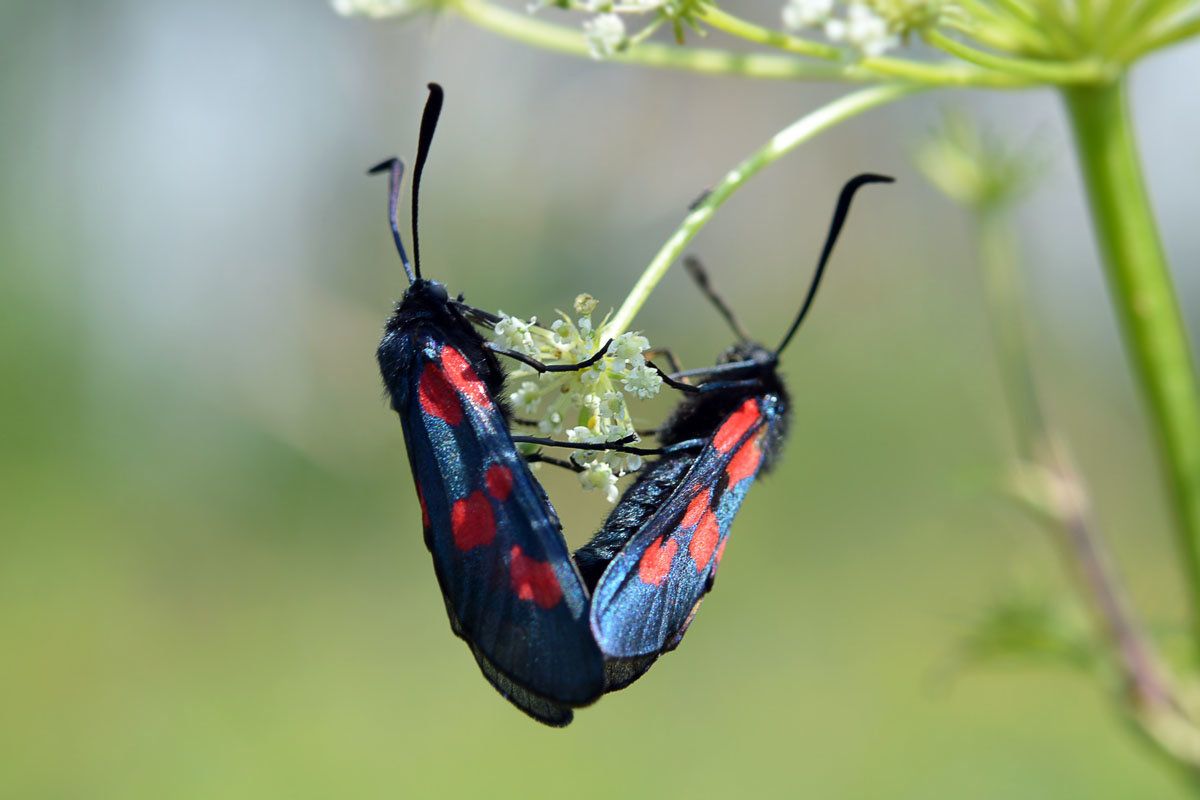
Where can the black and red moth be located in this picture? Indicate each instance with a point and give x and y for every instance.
(511, 588)
(657, 554)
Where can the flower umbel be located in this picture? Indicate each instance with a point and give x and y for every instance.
(586, 405)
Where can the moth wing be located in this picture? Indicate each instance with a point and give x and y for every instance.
(648, 595)
(511, 588)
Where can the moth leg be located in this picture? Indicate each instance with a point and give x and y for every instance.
(619, 445)
(667, 355)
(700, 275)
(480, 317)
(540, 367)
(717, 386)
(686, 388)
(540, 458)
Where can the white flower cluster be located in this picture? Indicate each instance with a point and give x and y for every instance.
(605, 33)
(589, 404)
(862, 27)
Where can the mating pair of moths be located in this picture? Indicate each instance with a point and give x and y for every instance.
(549, 631)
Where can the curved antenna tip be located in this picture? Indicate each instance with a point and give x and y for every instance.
(395, 167)
(384, 166)
(835, 229)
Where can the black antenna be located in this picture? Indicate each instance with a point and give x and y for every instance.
(429, 120)
(700, 276)
(835, 227)
(396, 167)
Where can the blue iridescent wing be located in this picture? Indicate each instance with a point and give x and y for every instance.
(646, 597)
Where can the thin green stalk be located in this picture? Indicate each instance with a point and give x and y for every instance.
(940, 74)
(780, 144)
(1051, 17)
(1142, 292)
(1019, 10)
(709, 61)
(524, 28)
(1138, 18)
(1171, 35)
(1087, 71)
(998, 28)
(1001, 278)
(1067, 501)
(735, 26)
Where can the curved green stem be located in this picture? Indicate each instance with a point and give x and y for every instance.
(1169, 36)
(735, 26)
(785, 141)
(1141, 289)
(1087, 71)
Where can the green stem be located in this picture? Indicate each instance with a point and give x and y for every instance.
(1185, 29)
(735, 26)
(524, 28)
(1002, 284)
(710, 61)
(983, 25)
(1072, 72)
(1141, 290)
(780, 144)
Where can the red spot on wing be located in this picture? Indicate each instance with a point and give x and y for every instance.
(696, 508)
(704, 540)
(463, 377)
(438, 397)
(744, 462)
(721, 550)
(736, 425)
(534, 580)
(424, 509)
(499, 480)
(472, 521)
(656, 561)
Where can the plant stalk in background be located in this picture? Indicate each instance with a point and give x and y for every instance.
(986, 179)
(1082, 48)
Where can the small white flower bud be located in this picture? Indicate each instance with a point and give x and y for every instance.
(801, 14)
(605, 34)
(585, 304)
(599, 475)
(627, 351)
(642, 381)
(515, 334)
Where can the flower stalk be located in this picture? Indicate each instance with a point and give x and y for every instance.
(780, 144)
(1049, 479)
(1144, 299)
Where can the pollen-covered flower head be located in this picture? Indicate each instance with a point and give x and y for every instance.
(588, 405)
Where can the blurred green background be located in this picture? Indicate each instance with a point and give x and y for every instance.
(212, 580)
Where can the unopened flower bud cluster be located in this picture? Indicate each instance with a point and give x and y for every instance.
(605, 32)
(587, 405)
(871, 28)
